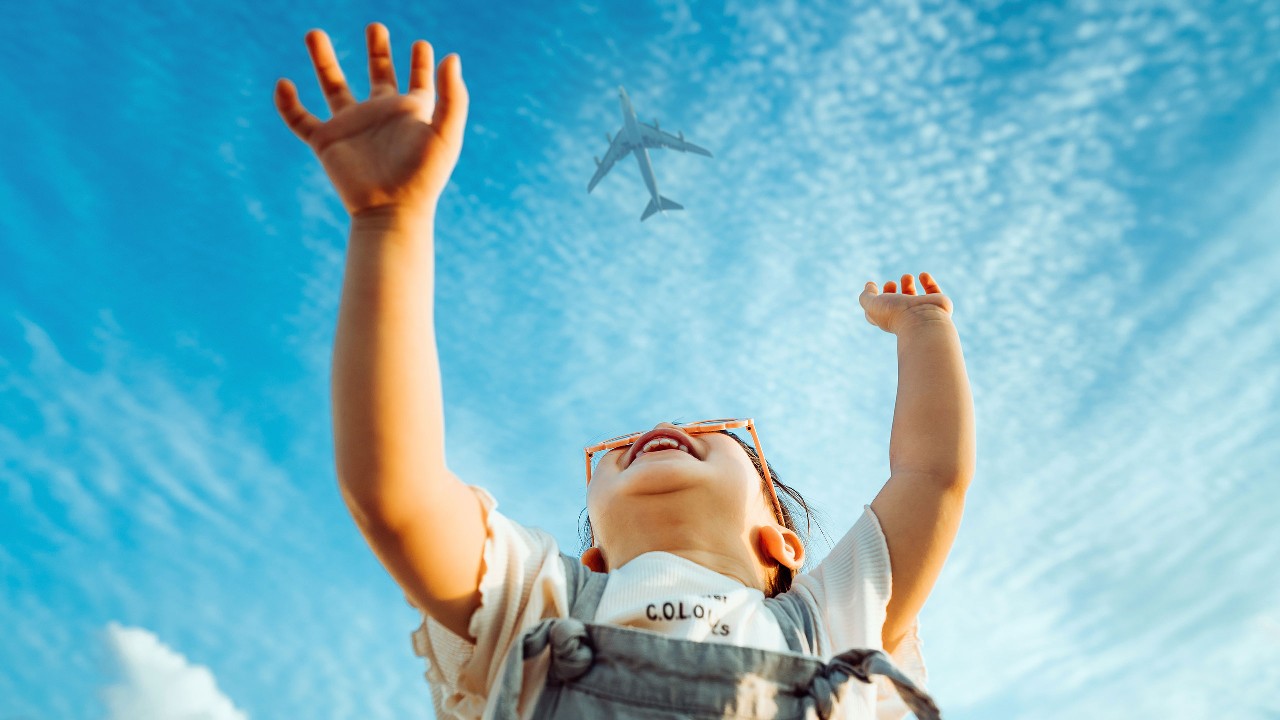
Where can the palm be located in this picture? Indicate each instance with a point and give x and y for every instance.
(391, 149)
(886, 310)
(380, 151)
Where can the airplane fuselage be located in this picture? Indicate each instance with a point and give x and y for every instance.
(632, 128)
(637, 138)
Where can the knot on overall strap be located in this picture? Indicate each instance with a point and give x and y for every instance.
(862, 664)
(571, 652)
(571, 656)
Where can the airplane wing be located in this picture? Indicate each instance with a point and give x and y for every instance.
(654, 137)
(618, 149)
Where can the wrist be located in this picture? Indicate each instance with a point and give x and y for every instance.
(394, 217)
(394, 223)
(922, 316)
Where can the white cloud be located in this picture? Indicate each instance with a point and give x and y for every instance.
(159, 683)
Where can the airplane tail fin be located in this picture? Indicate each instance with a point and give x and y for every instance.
(667, 204)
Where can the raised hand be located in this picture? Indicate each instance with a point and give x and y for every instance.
(391, 151)
(889, 310)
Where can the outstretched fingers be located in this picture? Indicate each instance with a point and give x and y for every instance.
(421, 68)
(931, 286)
(451, 106)
(908, 285)
(301, 122)
(382, 71)
(332, 82)
(927, 282)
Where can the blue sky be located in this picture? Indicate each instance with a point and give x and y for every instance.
(1096, 185)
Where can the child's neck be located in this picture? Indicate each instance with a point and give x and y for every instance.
(732, 561)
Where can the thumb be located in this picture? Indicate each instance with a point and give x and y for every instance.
(451, 107)
(869, 292)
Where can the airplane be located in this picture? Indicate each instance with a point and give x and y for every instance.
(637, 137)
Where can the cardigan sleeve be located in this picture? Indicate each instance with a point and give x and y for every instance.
(849, 593)
(522, 581)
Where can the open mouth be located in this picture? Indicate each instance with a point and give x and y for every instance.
(661, 440)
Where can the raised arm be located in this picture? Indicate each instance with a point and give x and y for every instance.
(931, 447)
(389, 157)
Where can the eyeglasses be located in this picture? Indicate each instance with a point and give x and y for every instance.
(696, 428)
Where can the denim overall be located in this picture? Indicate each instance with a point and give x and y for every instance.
(616, 673)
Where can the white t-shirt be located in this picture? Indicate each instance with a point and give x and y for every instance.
(523, 583)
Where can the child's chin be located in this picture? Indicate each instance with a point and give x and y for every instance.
(663, 456)
(677, 464)
(662, 476)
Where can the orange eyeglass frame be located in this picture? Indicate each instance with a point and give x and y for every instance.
(696, 428)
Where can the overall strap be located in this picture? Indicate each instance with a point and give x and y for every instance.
(799, 626)
(861, 664)
(796, 619)
(566, 637)
(584, 588)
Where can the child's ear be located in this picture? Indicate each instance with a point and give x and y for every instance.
(593, 558)
(781, 545)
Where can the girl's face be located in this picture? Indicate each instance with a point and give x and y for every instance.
(671, 489)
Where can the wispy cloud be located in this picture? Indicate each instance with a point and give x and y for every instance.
(1125, 553)
(159, 683)
(134, 493)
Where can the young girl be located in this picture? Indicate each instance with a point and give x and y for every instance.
(687, 603)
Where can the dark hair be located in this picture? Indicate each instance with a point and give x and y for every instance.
(790, 500)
